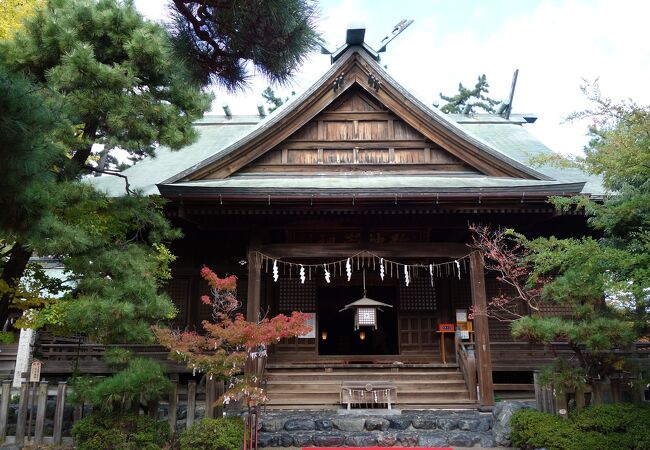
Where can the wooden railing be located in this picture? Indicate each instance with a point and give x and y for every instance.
(64, 356)
(523, 356)
(467, 363)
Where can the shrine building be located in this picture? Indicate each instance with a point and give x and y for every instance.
(356, 190)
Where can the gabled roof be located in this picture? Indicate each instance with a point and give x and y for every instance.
(355, 68)
(500, 149)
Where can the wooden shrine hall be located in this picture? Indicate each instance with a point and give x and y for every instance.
(355, 189)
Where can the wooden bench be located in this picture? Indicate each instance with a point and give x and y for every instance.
(368, 393)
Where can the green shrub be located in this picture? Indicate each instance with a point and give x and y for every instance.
(214, 434)
(613, 427)
(142, 379)
(123, 432)
(7, 337)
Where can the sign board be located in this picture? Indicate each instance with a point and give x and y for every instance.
(35, 373)
(312, 323)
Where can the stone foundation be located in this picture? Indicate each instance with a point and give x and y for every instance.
(439, 428)
(431, 428)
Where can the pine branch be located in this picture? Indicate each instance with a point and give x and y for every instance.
(114, 173)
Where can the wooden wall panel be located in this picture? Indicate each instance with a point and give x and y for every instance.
(356, 130)
(339, 130)
(416, 332)
(272, 157)
(403, 131)
(373, 156)
(439, 156)
(338, 156)
(409, 156)
(373, 130)
(357, 102)
(302, 157)
(307, 132)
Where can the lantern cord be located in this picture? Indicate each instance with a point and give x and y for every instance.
(364, 283)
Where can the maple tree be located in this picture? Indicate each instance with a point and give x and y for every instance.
(230, 342)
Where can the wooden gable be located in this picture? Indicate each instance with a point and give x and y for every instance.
(356, 133)
(357, 119)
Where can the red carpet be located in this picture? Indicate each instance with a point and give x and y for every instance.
(378, 448)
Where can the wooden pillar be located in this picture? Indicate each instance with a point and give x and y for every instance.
(23, 406)
(486, 386)
(40, 411)
(191, 403)
(210, 398)
(173, 406)
(57, 434)
(253, 302)
(4, 408)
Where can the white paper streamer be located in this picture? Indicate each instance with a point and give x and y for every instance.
(348, 269)
(275, 270)
(327, 274)
(302, 274)
(381, 269)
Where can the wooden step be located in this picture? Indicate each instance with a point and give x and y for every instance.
(318, 377)
(320, 387)
(335, 386)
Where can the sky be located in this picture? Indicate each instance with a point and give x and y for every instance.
(555, 44)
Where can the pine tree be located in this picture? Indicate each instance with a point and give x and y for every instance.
(109, 66)
(225, 40)
(112, 66)
(125, 84)
(273, 100)
(467, 99)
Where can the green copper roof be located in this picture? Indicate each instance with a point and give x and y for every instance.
(215, 133)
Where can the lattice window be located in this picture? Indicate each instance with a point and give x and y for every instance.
(553, 310)
(499, 330)
(461, 292)
(296, 296)
(419, 295)
(178, 290)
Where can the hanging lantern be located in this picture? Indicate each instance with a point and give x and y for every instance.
(323, 335)
(365, 309)
(362, 335)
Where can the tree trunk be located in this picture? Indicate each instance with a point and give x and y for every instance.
(11, 274)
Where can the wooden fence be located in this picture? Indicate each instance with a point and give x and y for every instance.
(29, 421)
(628, 388)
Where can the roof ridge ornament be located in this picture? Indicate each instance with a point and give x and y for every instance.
(355, 36)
